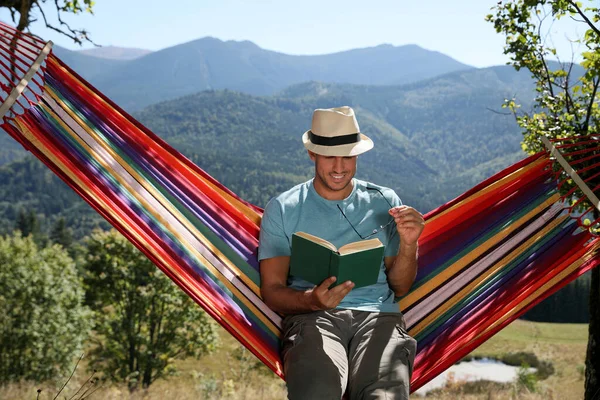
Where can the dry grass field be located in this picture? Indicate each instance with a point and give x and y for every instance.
(232, 373)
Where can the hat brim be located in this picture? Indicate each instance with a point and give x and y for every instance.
(345, 150)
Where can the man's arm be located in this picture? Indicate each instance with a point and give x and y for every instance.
(285, 300)
(402, 269)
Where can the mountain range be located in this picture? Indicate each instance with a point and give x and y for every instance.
(209, 63)
(135, 81)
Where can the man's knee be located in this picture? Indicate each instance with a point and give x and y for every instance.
(384, 391)
(306, 380)
(314, 372)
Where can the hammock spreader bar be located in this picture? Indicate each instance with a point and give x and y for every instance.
(572, 173)
(18, 90)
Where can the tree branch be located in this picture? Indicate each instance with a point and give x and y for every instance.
(590, 104)
(498, 112)
(60, 19)
(73, 37)
(569, 100)
(12, 13)
(586, 19)
(81, 32)
(177, 353)
(73, 34)
(575, 19)
(543, 60)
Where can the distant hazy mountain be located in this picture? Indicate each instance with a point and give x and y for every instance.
(87, 66)
(115, 53)
(210, 63)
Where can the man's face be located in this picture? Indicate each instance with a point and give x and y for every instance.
(333, 175)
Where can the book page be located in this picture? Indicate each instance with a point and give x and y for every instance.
(355, 247)
(317, 240)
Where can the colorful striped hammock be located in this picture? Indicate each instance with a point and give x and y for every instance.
(486, 257)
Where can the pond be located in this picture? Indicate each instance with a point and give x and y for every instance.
(474, 370)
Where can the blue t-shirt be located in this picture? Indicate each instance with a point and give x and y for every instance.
(302, 209)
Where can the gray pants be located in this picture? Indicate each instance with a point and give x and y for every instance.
(327, 353)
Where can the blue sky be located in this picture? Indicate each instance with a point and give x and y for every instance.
(455, 28)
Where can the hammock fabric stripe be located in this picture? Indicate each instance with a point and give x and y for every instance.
(486, 257)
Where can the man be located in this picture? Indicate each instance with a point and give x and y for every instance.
(341, 340)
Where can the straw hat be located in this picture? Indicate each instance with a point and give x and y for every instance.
(335, 132)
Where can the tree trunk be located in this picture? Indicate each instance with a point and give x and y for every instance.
(147, 379)
(592, 361)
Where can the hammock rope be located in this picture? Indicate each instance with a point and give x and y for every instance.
(486, 257)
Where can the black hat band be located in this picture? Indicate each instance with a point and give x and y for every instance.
(334, 141)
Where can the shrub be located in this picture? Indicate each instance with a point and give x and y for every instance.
(143, 320)
(526, 379)
(43, 321)
(544, 368)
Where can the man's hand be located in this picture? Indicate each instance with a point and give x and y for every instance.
(409, 224)
(285, 300)
(323, 298)
(402, 269)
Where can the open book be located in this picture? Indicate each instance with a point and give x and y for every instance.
(314, 260)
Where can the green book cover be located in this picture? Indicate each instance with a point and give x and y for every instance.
(314, 260)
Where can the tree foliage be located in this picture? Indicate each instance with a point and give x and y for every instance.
(61, 234)
(26, 10)
(143, 321)
(43, 321)
(569, 305)
(33, 200)
(27, 223)
(566, 106)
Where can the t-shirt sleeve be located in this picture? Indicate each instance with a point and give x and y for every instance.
(273, 242)
(393, 245)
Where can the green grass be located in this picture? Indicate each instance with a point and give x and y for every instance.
(545, 332)
(524, 334)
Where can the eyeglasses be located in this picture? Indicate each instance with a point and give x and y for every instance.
(375, 231)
